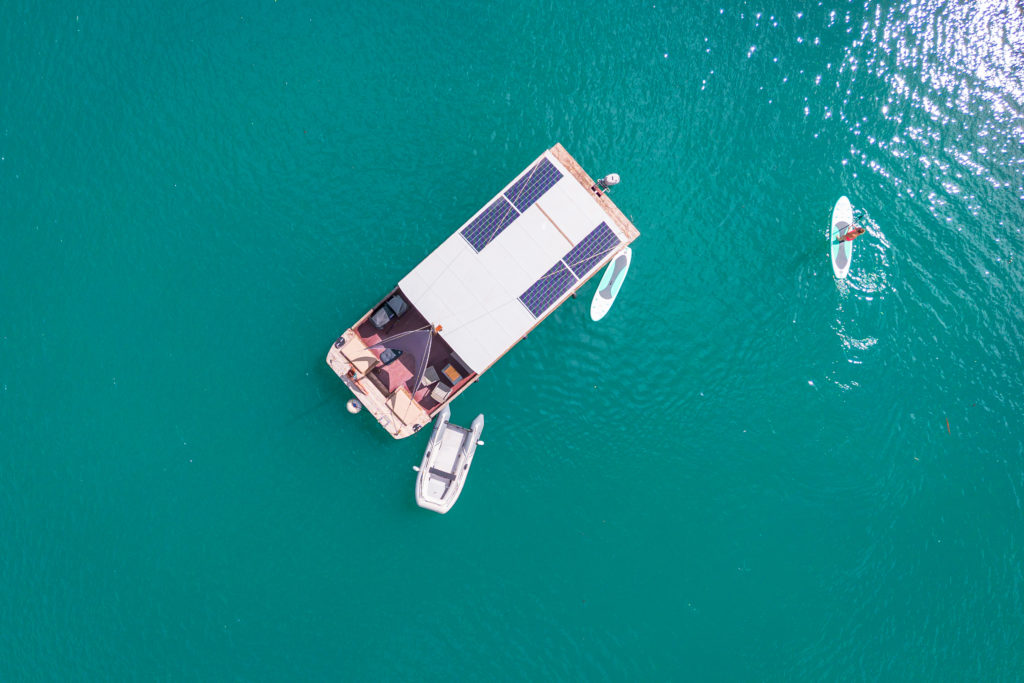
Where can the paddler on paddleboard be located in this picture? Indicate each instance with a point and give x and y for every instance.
(852, 234)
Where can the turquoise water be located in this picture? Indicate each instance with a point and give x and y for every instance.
(744, 472)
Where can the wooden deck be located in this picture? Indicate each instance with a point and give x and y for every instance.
(397, 413)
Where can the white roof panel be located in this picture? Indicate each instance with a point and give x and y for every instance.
(474, 295)
(574, 217)
(506, 271)
(490, 335)
(532, 243)
(546, 234)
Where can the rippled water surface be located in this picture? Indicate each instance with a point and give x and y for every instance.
(746, 471)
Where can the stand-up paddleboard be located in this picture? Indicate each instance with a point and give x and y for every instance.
(842, 251)
(606, 292)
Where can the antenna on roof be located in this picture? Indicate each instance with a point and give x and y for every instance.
(603, 184)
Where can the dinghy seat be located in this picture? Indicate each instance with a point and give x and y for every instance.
(443, 475)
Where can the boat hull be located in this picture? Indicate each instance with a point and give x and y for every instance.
(446, 462)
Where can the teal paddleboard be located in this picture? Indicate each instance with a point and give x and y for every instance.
(842, 251)
(612, 280)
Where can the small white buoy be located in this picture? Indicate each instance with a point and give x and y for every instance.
(480, 443)
(354, 406)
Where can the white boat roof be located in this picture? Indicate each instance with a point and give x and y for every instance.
(517, 259)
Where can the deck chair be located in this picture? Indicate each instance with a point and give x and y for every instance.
(397, 305)
(429, 377)
(390, 310)
(381, 317)
(440, 392)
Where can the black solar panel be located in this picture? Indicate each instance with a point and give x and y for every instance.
(533, 184)
(591, 249)
(548, 289)
(498, 215)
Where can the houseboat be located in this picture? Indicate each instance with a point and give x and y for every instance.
(481, 292)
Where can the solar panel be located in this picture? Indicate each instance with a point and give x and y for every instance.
(548, 289)
(591, 249)
(498, 215)
(533, 184)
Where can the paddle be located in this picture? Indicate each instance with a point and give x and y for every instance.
(857, 215)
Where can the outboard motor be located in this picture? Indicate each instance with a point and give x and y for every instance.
(603, 184)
